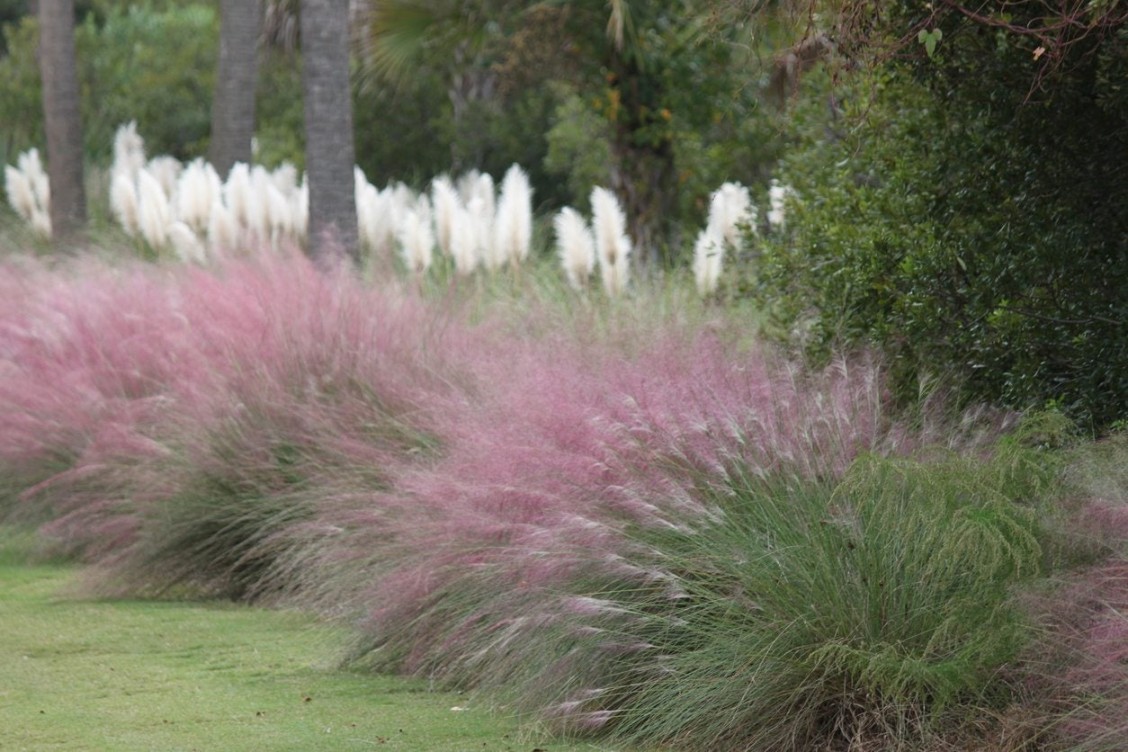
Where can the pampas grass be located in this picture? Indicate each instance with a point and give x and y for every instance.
(612, 245)
(575, 246)
(29, 192)
(153, 212)
(513, 225)
(708, 258)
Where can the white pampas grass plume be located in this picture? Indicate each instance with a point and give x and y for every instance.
(237, 192)
(20, 195)
(152, 210)
(478, 185)
(481, 222)
(576, 246)
(32, 168)
(186, 244)
(416, 240)
(196, 192)
(29, 192)
(730, 211)
(124, 202)
(223, 230)
(129, 151)
(447, 203)
(778, 196)
(513, 225)
(612, 245)
(367, 206)
(464, 240)
(708, 256)
(285, 179)
(167, 171)
(41, 223)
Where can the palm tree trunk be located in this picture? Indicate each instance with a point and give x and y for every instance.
(233, 103)
(62, 119)
(329, 130)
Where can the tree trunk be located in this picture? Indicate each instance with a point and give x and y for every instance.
(233, 103)
(644, 175)
(329, 131)
(62, 119)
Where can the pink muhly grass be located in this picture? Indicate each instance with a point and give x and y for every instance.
(543, 471)
(252, 365)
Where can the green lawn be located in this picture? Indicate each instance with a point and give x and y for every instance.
(80, 675)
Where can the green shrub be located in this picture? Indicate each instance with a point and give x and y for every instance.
(136, 62)
(976, 235)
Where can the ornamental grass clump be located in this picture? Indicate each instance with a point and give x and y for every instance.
(88, 353)
(868, 611)
(315, 388)
(563, 443)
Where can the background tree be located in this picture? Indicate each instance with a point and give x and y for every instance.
(61, 115)
(233, 104)
(983, 233)
(327, 100)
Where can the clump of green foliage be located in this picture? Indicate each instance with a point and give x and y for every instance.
(808, 614)
(968, 222)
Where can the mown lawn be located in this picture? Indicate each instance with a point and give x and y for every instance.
(135, 675)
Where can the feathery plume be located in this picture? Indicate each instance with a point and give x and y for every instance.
(237, 193)
(612, 245)
(730, 211)
(464, 240)
(195, 194)
(513, 226)
(152, 210)
(223, 230)
(447, 203)
(20, 195)
(708, 255)
(416, 240)
(123, 202)
(31, 166)
(186, 244)
(167, 171)
(129, 151)
(576, 246)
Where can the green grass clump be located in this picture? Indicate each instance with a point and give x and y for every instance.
(872, 612)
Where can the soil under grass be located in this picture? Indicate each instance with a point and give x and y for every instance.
(130, 675)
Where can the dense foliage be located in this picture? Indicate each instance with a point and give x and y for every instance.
(968, 216)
